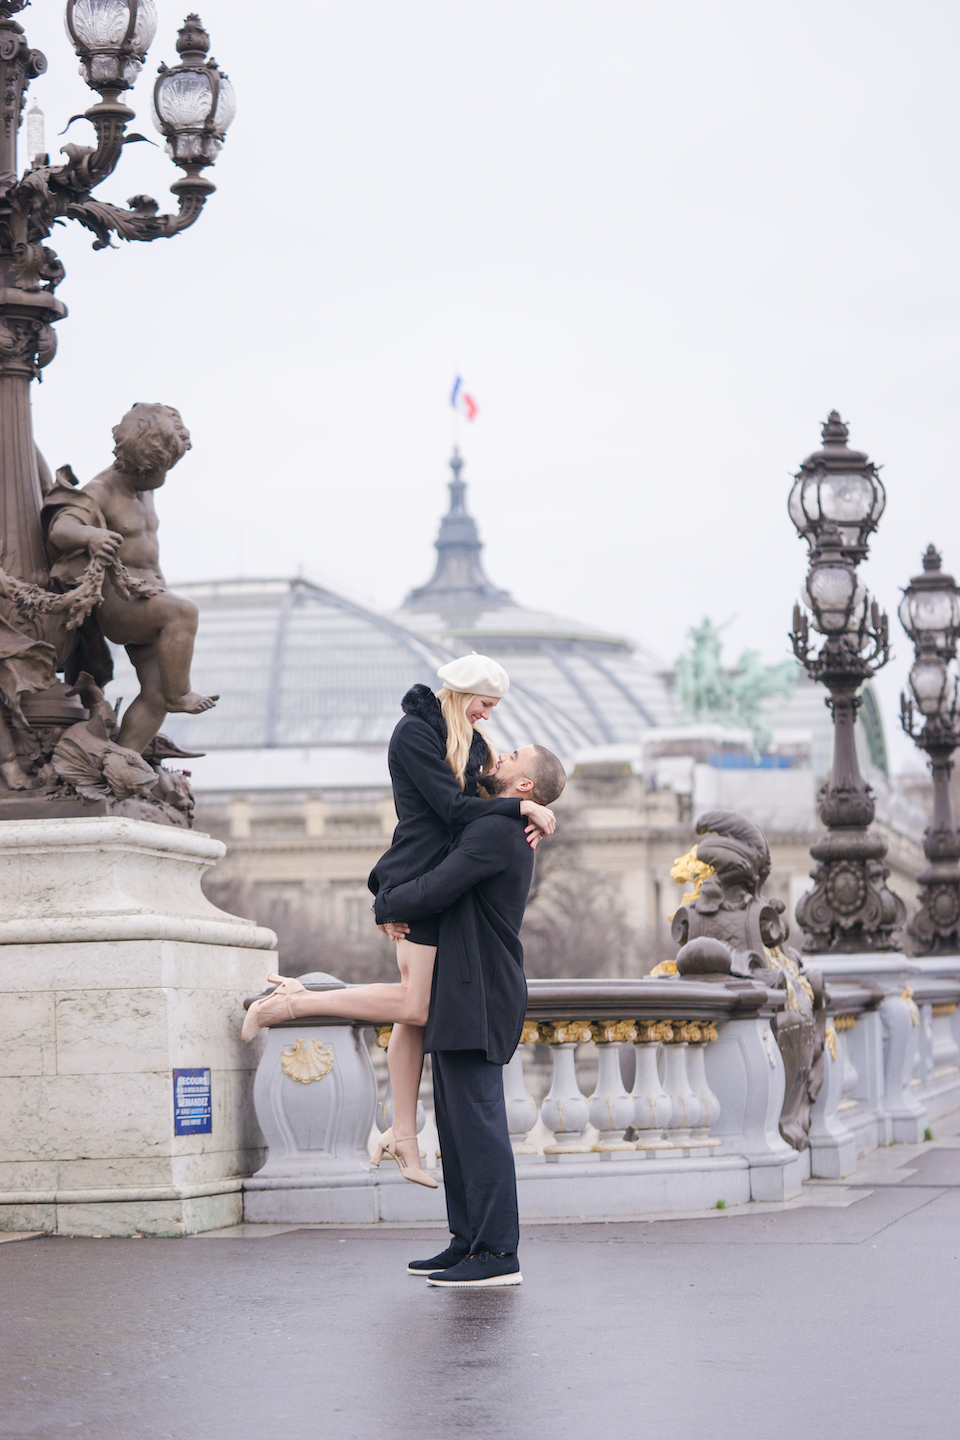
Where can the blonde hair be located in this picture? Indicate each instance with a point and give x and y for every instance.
(460, 733)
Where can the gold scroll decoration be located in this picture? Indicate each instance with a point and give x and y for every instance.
(666, 967)
(844, 1022)
(948, 1008)
(907, 994)
(530, 1034)
(688, 870)
(383, 1035)
(614, 1032)
(796, 980)
(692, 1032)
(652, 1032)
(562, 1032)
(830, 1040)
(307, 1060)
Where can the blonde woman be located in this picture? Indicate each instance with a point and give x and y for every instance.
(436, 757)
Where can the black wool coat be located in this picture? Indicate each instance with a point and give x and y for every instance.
(479, 996)
(431, 807)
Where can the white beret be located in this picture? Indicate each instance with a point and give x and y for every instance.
(475, 675)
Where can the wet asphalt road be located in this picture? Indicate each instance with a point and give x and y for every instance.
(842, 1322)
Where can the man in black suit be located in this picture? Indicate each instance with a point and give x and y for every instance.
(477, 1008)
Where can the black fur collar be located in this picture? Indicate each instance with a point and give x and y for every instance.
(423, 703)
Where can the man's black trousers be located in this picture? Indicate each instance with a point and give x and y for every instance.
(479, 1177)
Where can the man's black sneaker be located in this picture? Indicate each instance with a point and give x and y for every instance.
(480, 1272)
(451, 1256)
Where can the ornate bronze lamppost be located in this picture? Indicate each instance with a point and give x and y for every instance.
(193, 105)
(836, 503)
(930, 614)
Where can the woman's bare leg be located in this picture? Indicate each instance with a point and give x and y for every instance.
(405, 1006)
(405, 1062)
(405, 1051)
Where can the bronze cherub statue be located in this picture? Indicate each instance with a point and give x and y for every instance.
(112, 521)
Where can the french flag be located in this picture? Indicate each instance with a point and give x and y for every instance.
(461, 401)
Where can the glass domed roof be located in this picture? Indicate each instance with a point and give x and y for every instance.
(297, 665)
(293, 664)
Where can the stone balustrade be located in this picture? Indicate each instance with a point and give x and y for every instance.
(670, 1105)
(890, 1063)
(683, 1112)
(936, 1074)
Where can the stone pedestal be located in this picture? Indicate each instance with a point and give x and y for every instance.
(115, 970)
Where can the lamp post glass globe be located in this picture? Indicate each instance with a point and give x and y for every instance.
(111, 37)
(853, 501)
(930, 608)
(837, 602)
(840, 487)
(194, 102)
(193, 108)
(929, 682)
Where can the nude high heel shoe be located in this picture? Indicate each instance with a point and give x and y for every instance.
(383, 1147)
(387, 1146)
(286, 986)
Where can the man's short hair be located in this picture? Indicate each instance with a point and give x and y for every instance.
(547, 774)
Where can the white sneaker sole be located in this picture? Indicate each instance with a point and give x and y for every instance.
(488, 1284)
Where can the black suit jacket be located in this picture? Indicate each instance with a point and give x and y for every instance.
(479, 996)
(431, 807)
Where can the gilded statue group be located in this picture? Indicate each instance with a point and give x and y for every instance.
(62, 745)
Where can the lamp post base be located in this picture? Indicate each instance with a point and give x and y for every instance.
(850, 910)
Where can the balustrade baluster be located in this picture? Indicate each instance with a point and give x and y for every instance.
(652, 1106)
(842, 1025)
(946, 1052)
(565, 1110)
(611, 1108)
(521, 1107)
(689, 1110)
(700, 1033)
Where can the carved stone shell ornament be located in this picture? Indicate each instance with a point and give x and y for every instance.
(307, 1060)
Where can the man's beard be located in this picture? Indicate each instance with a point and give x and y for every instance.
(493, 784)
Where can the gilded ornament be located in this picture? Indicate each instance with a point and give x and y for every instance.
(614, 1032)
(652, 1032)
(844, 1022)
(688, 870)
(565, 1032)
(307, 1060)
(795, 978)
(530, 1034)
(383, 1035)
(907, 994)
(830, 1040)
(949, 1008)
(666, 967)
(770, 1046)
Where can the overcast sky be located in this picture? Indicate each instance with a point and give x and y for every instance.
(658, 241)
